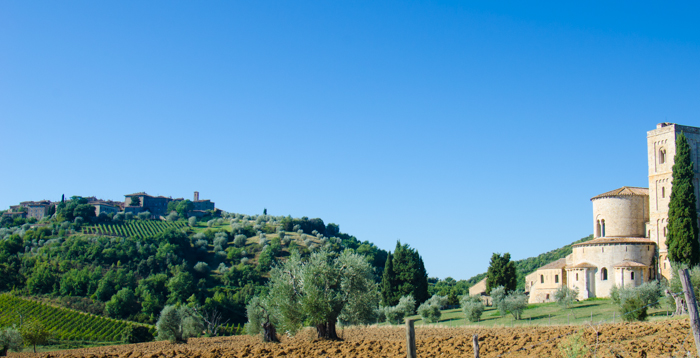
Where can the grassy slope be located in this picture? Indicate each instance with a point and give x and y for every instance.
(544, 314)
(530, 264)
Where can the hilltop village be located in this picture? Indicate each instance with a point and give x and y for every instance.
(156, 206)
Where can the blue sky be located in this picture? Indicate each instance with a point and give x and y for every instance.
(460, 128)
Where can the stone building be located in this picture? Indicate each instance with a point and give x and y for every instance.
(158, 205)
(32, 209)
(629, 226)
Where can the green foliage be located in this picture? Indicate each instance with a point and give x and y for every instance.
(137, 229)
(682, 238)
(449, 287)
(473, 307)
(566, 296)
(34, 332)
(395, 314)
(498, 295)
(178, 324)
(430, 309)
(136, 334)
(181, 287)
(122, 304)
(61, 322)
(634, 302)
(501, 272)
(406, 276)
(184, 207)
(10, 338)
(515, 303)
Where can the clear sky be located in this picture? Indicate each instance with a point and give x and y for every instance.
(461, 128)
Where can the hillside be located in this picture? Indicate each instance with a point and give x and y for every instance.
(530, 264)
(130, 268)
(64, 324)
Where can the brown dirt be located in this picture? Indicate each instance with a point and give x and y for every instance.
(647, 339)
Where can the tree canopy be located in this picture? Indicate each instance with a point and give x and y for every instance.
(406, 276)
(501, 272)
(682, 238)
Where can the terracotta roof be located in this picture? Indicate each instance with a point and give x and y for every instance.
(559, 264)
(616, 240)
(582, 265)
(628, 263)
(624, 191)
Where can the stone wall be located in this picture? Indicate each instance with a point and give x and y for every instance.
(625, 216)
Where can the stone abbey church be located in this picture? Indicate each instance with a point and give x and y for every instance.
(629, 226)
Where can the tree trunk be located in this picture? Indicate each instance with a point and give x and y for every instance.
(326, 330)
(680, 303)
(269, 332)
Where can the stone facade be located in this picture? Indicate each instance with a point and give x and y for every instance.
(629, 226)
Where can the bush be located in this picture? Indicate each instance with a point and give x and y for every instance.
(10, 338)
(633, 302)
(430, 309)
(566, 296)
(498, 295)
(144, 215)
(473, 307)
(177, 324)
(405, 307)
(173, 216)
(192, 221)
(136, 334)
(240, 240)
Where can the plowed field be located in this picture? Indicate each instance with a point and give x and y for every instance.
(649, 339)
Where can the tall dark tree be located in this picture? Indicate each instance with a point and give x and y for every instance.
(682, 238)
(501, 272)
(388, 282)
(409, 274)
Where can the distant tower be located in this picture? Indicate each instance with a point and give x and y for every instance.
(661, 150)
(196, 196)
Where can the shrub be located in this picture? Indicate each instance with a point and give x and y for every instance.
(136, 334)
(498, 295)
(177, 324)
(202, 267)
(573, 347)
(473, 307)
(633, 302)
(129, 216)
(144, 215)
(566, 296)
(192, 221)
(405, 307)
(240, 240)
(173, 216)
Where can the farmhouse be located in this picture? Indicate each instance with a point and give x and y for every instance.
(629, 225)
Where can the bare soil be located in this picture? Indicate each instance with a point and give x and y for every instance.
(669, 338)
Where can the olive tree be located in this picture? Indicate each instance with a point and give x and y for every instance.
(473, 307)
(395, 314)
(320, 291)
(430, 309)
(33, 333)
(177, 324)
(566, 296)
(10, 338)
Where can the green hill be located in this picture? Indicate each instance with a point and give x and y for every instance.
(64, 324)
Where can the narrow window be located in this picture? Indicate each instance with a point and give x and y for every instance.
(663, 192)
(648, 233)
(577, 276)
(597, 229)
(556, 278)
(664, 231)
(662, 156)
(532, 283)
(548, 296)
(632, 275)
(602, 222)
(542, 277)
(664, 265)
(604, 274)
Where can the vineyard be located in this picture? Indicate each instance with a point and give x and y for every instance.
(64, 324)
(133, 228)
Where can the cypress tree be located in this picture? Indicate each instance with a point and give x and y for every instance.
(409, 276)
(682, 238)
(388, 282)
(501, 272)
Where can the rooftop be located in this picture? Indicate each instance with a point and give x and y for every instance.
(559, 264)
(616, 240)
(624, 191)
(629, 263)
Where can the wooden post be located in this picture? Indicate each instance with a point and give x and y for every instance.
(591, 317)
(692, 306)
(475, 344)
(550, 319)
(410, 339)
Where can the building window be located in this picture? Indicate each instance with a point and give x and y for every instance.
(662, 156)
(663, 192)
(604, 274)
(532, 283)
(542, 277)
(556, 278)
(597, 229)
(664, 231)
(632, 275)
(602, 224)
(577, 276)
(548, 296)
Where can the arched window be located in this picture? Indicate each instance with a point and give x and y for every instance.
(541, 278)
(602, 224)
(556, 278)
(604, 274)
(632, 275)
(663, 192)
(597, 228)
(664, 231)
(577, 276)
(662, 156)
(531, 283)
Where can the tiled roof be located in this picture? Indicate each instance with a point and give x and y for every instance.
(624, 191)
(628, 263)
(559, 264)
(616, 240)
(582, 265)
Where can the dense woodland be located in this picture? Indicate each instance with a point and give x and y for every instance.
(216, 263)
